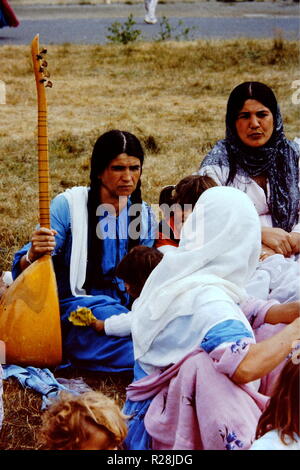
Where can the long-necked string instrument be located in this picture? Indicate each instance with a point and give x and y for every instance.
(29, 309)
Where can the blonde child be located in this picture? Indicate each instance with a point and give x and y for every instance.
(90, 421)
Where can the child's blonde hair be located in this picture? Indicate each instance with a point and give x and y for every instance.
(64, 422)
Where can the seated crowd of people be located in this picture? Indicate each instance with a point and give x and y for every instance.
(202, 307)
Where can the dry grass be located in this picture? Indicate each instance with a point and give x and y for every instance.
(22, 407)
(22, 418)
(172, 95)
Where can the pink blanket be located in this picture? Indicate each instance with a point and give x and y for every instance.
(196, 407)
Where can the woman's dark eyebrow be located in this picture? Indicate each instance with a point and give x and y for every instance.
(246, 113)
(122, 167)
(263, 111)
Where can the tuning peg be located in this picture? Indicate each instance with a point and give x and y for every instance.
(49, 84)
(43, 80)
(39, 57)
(43, 51)
(44, 63)
(44, 72)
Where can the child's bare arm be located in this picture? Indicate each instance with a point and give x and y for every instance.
(283, 313)
(98, 326)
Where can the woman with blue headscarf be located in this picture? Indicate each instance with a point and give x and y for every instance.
(257, 158)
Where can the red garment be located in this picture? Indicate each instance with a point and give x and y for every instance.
(167, 234)
(9, 14)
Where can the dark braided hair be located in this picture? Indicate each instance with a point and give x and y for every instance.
(107, 147)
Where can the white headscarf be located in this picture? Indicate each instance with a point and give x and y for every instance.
(217, 254)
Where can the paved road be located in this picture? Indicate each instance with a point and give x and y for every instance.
(88, 24)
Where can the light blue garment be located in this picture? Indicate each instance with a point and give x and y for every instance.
(113, 249)
(40, 380)
(137, 437)
(185, 333)
(229, 331)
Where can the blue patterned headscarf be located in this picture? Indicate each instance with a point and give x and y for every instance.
(278, 159)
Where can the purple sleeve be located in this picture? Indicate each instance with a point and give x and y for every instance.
(228, 356)
(256, 310)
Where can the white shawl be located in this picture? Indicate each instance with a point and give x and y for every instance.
(77, 198)
(217, 254)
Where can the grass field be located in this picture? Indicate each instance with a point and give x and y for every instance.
(171, 95)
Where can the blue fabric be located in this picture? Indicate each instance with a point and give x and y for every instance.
(137, 437)
(83, 346)
(228, 331)
(40, 380)
(86, 348)
(113, 249)
(138, 372)
(3, 21)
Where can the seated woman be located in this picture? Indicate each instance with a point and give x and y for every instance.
(263, 310)
(195, 352)
(92, 230)
(257, 158)
(273, 279)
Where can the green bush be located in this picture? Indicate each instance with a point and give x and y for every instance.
(123, 33)
(168, 32)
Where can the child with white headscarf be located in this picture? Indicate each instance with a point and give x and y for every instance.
(192, 342)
